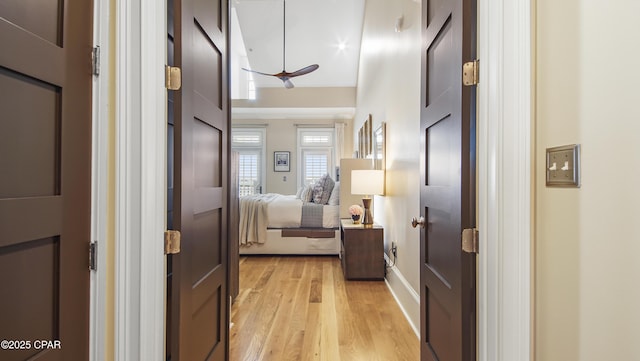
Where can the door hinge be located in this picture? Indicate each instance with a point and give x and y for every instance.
(470, 240)
(93, 256)
(95, 60)
(173, 77)
(470, 73)
(171, 242)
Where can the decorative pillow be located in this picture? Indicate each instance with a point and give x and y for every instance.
(322, 189)
(334, 199)
(307, 194)
(299, 192)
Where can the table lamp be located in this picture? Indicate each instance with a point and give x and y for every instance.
(367, 183)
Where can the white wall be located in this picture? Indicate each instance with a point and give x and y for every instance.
(389, 89)
(587, 246)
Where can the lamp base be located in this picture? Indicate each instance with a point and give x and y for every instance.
(367, 221)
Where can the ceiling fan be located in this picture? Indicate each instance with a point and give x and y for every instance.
(284, 75)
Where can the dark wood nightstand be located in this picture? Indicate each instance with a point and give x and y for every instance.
(361, 251)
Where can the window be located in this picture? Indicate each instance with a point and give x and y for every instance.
(250, 144)
(315, 150)
(316, 163)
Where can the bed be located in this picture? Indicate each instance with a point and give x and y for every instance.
(306, 223)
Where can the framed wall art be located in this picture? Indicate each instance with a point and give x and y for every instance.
(365, 141)
(379, 147)
(281, 162)
(379, 151)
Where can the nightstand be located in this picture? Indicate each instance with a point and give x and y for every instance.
(361, 251)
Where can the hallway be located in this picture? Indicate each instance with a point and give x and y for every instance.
(301, 308)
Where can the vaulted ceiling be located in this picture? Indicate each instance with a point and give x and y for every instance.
(323, 32)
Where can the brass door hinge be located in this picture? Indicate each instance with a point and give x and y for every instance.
(173, 77)
(470, 73)
(470, 240)
(171, 242)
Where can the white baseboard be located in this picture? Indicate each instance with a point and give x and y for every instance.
(406, 297)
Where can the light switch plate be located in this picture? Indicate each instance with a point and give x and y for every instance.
(563, 166)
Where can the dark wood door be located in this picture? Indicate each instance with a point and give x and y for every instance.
(200, 299)
(45, 177)
(447, 193)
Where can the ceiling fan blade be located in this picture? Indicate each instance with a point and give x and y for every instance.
(284, 75)
(257, 72)
(305, 70)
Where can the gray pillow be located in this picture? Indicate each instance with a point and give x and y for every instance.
(307, 194)
(322, 189)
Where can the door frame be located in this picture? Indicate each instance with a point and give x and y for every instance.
(505, 174)
(100, 183)
(130, 151)
(505, 138)
(141, 161)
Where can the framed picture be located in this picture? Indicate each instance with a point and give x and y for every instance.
(379, 147)
(379, 151)
(365, 141)
(361, 143)
(367, 137)
(281, 162)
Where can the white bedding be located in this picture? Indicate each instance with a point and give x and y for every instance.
(285, 211)
(282, 211)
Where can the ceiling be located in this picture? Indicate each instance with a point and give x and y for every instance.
(323, 32)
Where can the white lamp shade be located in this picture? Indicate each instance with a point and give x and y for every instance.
(367, 182)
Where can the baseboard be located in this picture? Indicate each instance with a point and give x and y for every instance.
(406, 297)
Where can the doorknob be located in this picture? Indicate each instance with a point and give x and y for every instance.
(417, 221)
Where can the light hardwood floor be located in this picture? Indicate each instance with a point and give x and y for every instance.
(302, 308)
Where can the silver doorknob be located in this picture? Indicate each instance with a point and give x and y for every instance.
(417, 221)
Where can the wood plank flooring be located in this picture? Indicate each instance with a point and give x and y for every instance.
(302, 308)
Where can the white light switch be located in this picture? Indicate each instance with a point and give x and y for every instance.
(563, 166)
